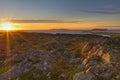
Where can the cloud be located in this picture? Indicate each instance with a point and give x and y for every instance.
(110, 11)
(102, 11)
(43, 21)
(109, 26)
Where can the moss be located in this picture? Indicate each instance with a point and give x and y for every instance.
(42, 48)
(72, 46)
(4, 69)
(102, 78)
(33, 75)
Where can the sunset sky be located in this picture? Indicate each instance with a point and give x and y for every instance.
(61, 14)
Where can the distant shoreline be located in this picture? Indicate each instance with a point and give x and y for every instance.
(61, 31)
(71, 31)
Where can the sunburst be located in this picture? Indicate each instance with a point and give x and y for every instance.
(7, 26)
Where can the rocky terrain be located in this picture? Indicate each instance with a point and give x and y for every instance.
(40, 56)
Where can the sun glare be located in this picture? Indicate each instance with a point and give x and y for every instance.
(7, 26)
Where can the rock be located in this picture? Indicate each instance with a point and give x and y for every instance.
(76, 60)
(84, 76)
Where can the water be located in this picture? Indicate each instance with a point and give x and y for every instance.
(61, 31)
(71, 31)
(109, 31)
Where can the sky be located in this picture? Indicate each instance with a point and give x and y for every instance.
(61, 14)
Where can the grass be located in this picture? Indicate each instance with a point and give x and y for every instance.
(31, 75)
(4, 69)
(113, 35)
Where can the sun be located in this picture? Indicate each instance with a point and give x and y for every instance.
(7, 26)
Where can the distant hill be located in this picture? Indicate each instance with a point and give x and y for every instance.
(59, 29)
(99, 30)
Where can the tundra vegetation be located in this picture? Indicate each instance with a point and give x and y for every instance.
(40, 56)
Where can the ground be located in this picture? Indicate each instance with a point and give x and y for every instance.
(40, 56)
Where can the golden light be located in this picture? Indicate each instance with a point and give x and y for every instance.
(7, 26)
